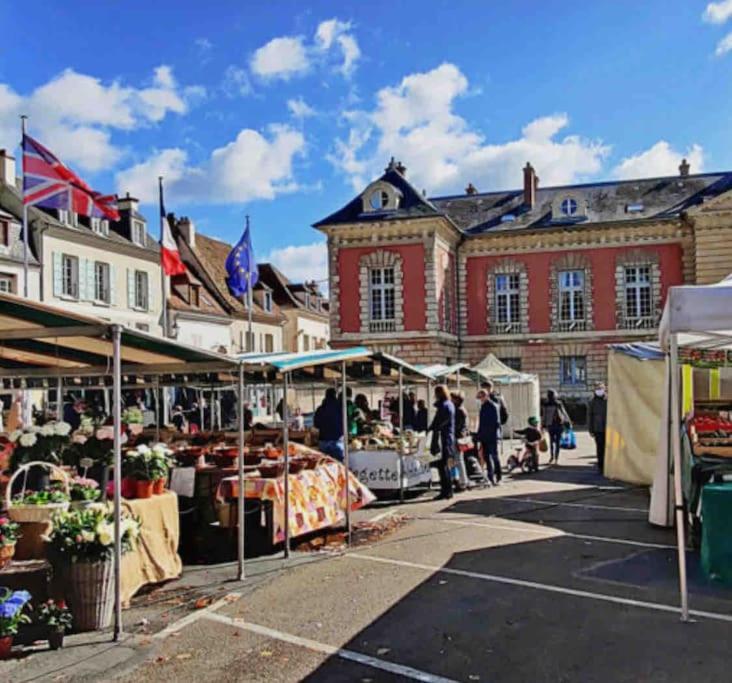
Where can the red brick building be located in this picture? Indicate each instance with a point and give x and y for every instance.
(544, 278)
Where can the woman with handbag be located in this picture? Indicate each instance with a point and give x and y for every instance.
(554, 419)
(443, 438)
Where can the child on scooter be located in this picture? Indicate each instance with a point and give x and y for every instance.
(528, 458)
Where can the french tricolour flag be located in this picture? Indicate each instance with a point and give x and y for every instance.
(169, 255)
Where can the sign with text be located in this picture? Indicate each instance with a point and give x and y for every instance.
(380, 469)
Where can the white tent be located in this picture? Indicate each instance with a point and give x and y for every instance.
(520, 390)
(697, 316)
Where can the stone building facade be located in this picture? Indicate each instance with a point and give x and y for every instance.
(544, 278)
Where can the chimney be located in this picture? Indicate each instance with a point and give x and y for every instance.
(127, 203)
(684, 168)
(471, 189)
(397, 166)
(188, 231)
(401, 168)
(530, 185)
(7, 168)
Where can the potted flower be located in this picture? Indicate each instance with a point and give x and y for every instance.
(133, 418)
(38, 506)
(39, 444)
(139, 462)
(159, 466)
(81, 548)
(91, 452)
(84, 491)
(8, 536)
(56, 618)
(11, 617)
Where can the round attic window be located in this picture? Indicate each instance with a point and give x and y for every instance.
(379, 199)
(568, 206)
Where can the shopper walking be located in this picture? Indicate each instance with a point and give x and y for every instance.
(443, 438)
(554, 419)
(489, 429)
(597, 423)
(461, 431)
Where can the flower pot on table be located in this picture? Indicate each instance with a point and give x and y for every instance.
(6, 554)
(159, 486)
(56, 638)
(143, 488)
(90, 593)
(128, 487)
(6, 644)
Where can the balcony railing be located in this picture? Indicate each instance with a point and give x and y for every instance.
(642, 323)
(382, 326)
(571, 326)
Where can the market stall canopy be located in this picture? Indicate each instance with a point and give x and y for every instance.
(441, 371)
(39, 341)
(699, 315)
(324, 365)
(493, 369)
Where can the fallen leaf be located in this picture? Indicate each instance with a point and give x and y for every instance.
(265, 653)
(202, 602)
(184, 655)
(383, 651)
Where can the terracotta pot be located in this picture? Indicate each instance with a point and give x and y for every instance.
(6, 554)
(56, 639)
(159, 486)
(143, 488)
(6, 644)
(89, 588)
(128, 486)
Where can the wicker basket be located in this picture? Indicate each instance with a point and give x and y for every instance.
(35, 513)
(90, 594)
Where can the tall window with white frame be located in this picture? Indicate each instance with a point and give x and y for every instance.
(381, 300)
(7, 283)
(508, 300)
(142, 296)
(101, 282)
(638, 296)
(571, 300)
(70, 276)
(573, 370)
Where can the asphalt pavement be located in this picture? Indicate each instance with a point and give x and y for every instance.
(555, 576)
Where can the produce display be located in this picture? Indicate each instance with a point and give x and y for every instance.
(711, 433)
(386, 440)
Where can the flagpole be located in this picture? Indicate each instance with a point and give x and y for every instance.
(163, 283)
(249, 293)
(25, 210)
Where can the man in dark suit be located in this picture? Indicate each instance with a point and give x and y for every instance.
(489, 429)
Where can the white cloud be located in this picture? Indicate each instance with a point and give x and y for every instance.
(281, 58)
(299, 108)
(74, 113)
(724, 45)
(416, 122)
(236, 82)
(288, 56)
(253, 166)
(303, 262)
(718, 12)
(204, 48)
(659, 160)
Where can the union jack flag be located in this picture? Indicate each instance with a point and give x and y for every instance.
(50, 184)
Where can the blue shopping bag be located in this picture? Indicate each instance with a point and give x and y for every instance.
(568, 440)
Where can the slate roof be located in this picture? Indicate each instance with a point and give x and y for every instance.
(283, 291)
(412, 205)
(606, 202)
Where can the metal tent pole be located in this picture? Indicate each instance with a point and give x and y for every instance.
(344, 407)
(286, 449)
(678, 494)
(240, 493)
(157, 409)
(60, 399)
(117, 422)
(401, 434)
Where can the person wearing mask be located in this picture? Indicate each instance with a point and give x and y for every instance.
(489, 429)
(461, 431)
(328, 420)
(443, 439)
(421, 417)
(554, 419)
(597, 423)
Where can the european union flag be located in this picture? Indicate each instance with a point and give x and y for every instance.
(241, 266)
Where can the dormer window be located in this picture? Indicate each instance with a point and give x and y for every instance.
(569, 207)
(267, 301)
(380, 196)
(307, 300)
(379, 200)
(99, 226)
(138, 233)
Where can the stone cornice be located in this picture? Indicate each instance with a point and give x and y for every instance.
(539, 337)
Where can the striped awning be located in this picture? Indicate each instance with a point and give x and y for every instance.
(43, 341)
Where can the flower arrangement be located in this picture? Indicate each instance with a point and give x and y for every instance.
(87, 534)
(147, 463)
(96, 446)
(45, 497)
(85, 490)
(9, 532)
(43, 443)
(55, 615)
(11, 611)
(132, 415)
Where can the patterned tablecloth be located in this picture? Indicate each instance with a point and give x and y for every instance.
(317, 497)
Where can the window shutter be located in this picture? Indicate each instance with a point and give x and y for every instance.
(130, 288)
(150, 294)
(112, 285)
(82, 292)
(57, 285)
(91, 281)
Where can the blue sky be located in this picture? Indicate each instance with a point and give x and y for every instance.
(282, 110)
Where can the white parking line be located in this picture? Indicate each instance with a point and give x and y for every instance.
(550, 588)
(549, 503)
(330, 650)
(551, 532)
(192, 617)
